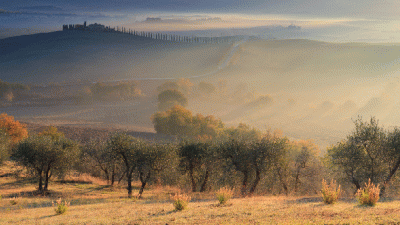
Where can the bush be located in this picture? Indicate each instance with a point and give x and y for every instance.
(224, 194)
(330, 193)
(368, 195)
(14, 129)
(14, 201)
(61, 206)
(180, 201)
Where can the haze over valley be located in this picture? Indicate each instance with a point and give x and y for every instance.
(308, 89)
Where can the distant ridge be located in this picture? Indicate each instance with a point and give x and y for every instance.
(99, 28)
(98, 56)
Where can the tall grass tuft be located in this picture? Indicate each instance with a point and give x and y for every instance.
(368, 195)
(330, 193)
(180, 201)
(14, 201)
(61, 206)
(224, 194)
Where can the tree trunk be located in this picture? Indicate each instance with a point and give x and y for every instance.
(122, 177)
(107, 176)
(144, 182)
(112, 176)
(245, 180)
(256, 181)
(192, 178)
(129, 178)
(282, 181)
(355, 182)
(40, 188)
(46, 182)
(389, 177)
(204, 185)
(297, 180)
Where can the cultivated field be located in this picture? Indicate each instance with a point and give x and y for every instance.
(92, 201)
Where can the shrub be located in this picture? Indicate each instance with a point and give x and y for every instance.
(330, 193)
(14, 201)
(61, 206)
(180, 201)
(224, 194)
(368, 195)
(14, 129)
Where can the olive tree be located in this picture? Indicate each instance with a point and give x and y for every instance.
(254, 158)
(44, 157)
(364, 154)
(99, 157)
(392, 156)
(127, 147)
(152, 159)
(196, 159)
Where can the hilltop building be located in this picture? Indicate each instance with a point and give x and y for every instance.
(293, 27)
(92, 27)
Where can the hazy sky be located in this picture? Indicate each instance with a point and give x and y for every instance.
(345, 20)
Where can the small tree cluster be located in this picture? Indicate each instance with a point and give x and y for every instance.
(44, 157)
(100, 161)
(180, 121)
(368, 153)
(139, 156)
(14, 129)
(101, 91)
(169, 98)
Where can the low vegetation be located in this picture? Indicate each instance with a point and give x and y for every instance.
(101, 91)
(369, 195)
(200, 167)
(224, 194)
(330, 192)
(61, 206)
(181, 201)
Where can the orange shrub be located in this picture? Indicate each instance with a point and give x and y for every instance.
(14, 129)
(368, 195)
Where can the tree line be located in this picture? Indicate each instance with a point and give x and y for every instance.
(239, 157)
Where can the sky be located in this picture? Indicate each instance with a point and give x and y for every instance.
(326, 20)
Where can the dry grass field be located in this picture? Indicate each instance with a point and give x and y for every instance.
(94, 202)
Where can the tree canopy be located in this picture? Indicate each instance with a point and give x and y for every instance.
(45, 157)
(169, 98)
(14, 129)
(180, 121)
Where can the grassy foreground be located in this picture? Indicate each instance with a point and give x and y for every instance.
(94, 202)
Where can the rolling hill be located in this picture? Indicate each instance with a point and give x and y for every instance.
(317, 88)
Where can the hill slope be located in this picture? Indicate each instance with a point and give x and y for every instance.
(90, 56)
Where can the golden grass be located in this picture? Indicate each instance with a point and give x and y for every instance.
(94, 203)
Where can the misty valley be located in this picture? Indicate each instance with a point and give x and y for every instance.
(113, 125)
(315, 88)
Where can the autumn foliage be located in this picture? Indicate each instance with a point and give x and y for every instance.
(52, 132)
(180, 121)
(15, 130)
